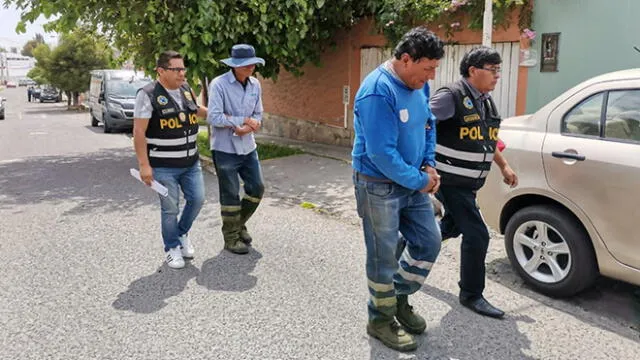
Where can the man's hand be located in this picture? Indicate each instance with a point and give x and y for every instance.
(510, 177)
(252, 123)
(434, 181)
(433, 173)
(146, 174)
(243, 130)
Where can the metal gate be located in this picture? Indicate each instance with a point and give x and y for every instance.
(449, 70)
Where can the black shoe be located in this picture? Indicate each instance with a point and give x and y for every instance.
(482, 307)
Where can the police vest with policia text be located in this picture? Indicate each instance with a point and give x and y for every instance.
(466, 143)
(172, 132)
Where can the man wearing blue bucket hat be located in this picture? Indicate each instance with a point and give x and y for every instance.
(235, 112)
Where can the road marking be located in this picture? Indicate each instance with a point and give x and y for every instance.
(38, 133)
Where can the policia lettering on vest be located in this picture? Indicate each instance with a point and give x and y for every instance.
(467, 135)
(165, 131)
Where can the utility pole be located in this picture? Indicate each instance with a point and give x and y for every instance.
(487, 25)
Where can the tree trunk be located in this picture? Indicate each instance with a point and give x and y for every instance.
(68, 93)
(75, 98)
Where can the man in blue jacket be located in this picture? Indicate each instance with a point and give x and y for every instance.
(394, 172)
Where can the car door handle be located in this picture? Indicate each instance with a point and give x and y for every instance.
(566, 155)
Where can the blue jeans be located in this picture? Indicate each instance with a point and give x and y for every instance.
(402, 240)
(235, 211)
(190, 180)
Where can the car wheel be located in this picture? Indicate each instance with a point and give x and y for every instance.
(94, 121)
(106, 127)
(550, 250)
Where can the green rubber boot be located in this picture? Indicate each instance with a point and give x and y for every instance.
(231, 232)
(411, 321)
(392, 335)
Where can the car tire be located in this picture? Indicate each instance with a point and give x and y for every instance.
(94, 121)
(568, 245)
(106, 126)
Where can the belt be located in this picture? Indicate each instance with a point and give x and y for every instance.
(371, 178)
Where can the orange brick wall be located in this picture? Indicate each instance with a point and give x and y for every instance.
(317, 95)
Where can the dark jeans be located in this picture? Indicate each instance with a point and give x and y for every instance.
(462, 216)
(235, 212)
(229, 167)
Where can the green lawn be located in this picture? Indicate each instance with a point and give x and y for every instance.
(265, 151)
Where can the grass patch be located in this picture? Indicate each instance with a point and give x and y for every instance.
(308, 205)
(265, 151)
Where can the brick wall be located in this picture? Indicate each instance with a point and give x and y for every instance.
(297, 107)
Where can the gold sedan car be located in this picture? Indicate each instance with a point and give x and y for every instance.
(575, 212)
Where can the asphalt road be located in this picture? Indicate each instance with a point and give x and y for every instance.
(83, 276)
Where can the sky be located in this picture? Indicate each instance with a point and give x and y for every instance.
(9, 38)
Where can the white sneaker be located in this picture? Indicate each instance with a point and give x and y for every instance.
(187, 248)
(174, 258)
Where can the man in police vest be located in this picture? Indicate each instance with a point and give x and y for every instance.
(467, 136)
(165, 129)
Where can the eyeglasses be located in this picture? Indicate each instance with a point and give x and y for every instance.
(494, 71)
(176, 69)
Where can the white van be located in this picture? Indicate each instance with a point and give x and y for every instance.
(112, 95)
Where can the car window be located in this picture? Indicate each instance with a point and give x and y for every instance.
(623, 115)
(584, 118)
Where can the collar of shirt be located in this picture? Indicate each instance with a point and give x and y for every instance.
(232, 78)
(477, 95)
(389, 67)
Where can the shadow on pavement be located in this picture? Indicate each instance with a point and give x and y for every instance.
(608, 299)
(99, 180)
(49, 109)
(100, 130)
(148, 294)
(229, 272)
(463, 334)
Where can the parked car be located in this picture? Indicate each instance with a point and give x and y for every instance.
(112, 95)
(575, 212)
(50, 94)
(11, 84)
(2, 107)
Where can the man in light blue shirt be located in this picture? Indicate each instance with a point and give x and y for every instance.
(235, 112)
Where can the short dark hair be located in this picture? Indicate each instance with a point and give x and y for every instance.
(478, 57)
(420, 43)
(165, 58)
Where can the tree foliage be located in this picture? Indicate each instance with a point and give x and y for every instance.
(27, 49)
(68, 65)
(286, 33)
(40, 73)
(398, 16)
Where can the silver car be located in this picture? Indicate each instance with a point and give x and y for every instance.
(575, 212)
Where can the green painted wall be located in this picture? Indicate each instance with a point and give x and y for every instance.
(596, 37)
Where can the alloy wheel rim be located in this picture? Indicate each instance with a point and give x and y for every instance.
(542, 251)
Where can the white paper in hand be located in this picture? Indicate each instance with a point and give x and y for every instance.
(156, 186)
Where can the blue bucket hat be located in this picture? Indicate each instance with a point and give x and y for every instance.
(242, 55)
